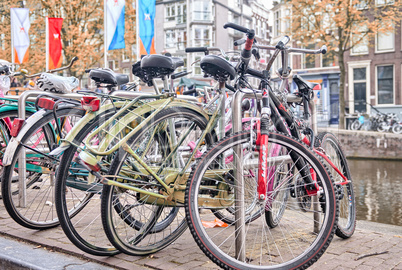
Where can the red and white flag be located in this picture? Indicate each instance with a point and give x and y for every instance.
(54, 43)
(20, 39)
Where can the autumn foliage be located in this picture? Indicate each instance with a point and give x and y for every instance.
(342, 25)
(82, 32)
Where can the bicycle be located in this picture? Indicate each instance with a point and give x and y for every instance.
(74, 179)
(293, 170)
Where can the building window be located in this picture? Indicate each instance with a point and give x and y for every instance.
(176, 12)
(309, 59)
(329, 59)
(385, 42)
(197, 68)
(360, 41)
(176, 39)
(359, 89)
(202, 11)
(170, 41)
(202, 37)
(385, 85)
(111, 64)
(181, 13)
(277, 23)
(170, 12)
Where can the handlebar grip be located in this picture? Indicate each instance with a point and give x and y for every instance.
(281, 44)
(75, 58)
(236, 27)
(239, 42)
(190, 92)
(324, 49)
(254, 72)
(196, 49)
(180, 74)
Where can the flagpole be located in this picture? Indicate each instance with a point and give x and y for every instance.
(137, 29)
(12, 38)
(47, 43)
(105, 31)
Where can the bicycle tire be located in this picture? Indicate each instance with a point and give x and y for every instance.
(84, 229)
(355, 125)
(346, 196)
(219, 249)
(132, 231)
(39, 212)
(397, 128)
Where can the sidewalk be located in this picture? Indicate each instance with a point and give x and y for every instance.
(184, 254)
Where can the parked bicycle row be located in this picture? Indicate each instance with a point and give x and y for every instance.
(381, 122)
(142, 167)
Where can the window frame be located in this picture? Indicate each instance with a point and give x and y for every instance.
(386, 50)
(393, 85)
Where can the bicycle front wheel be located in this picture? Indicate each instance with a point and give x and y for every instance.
(346, 196)
(299, 237)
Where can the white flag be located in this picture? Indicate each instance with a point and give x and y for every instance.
(20, 27)
(115, 11)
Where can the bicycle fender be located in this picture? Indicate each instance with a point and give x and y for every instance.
(15, 141)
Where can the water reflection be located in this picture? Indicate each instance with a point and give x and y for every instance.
(378, 188)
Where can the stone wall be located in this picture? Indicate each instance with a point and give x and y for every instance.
(368, 144)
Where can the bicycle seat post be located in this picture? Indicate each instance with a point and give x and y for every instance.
(222, 121)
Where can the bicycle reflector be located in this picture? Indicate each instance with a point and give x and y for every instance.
(46, 103)
(16, 126)
(90, 103)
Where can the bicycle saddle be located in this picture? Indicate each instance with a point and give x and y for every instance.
(164, 65)
(303, 85)
(57, 84)
(218, 68)
(137, 71)
(107, 76)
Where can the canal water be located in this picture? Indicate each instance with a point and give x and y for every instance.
(378, 190)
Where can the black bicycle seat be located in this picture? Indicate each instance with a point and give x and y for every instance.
(165, 64)
(137, 71)
(217, 67)
(303, 85)
(107, 76)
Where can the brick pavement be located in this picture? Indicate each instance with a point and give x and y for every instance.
(185, 254)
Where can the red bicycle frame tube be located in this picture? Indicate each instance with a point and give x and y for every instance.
(262, 167)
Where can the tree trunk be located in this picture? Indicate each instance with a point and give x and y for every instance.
(342, 89)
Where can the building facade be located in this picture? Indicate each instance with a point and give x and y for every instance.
(374, 74)
(197, 23)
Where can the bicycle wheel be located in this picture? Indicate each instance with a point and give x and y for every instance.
(38, 211)
(78, 199)
(5, 133)
(355, 125)
(346, 197)
(138, 223)
(293, 243)
(397, 128)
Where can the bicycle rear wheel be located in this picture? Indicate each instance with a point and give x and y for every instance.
(293, 243)
(345, 194)
(39, 210)
(137, 223)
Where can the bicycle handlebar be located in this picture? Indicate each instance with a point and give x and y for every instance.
(196, 49)
(282, 43)
(75, 58)
(236, 27)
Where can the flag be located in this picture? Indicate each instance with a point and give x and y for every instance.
(115, 24)
(20, 27)
(146, 17)
(54, 42)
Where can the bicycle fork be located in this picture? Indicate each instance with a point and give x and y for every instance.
(262, 144)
